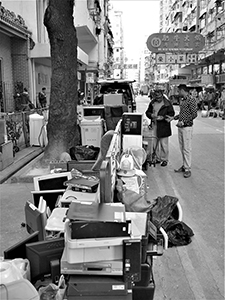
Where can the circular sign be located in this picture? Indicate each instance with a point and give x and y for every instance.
(156, 42)
(175, 42)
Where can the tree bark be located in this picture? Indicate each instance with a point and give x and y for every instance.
(62, 124)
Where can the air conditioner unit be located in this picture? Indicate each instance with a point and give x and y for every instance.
(211, 11)
(90, 4)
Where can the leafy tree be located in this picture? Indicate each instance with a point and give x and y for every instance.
(62, 123)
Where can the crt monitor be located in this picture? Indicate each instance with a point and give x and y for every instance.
(53, 181)
(19, 249)
(42, 255)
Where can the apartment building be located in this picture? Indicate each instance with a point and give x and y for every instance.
(25, 50)
(116, 18)
(208, 18)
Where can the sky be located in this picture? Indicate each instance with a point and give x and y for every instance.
(140, 19)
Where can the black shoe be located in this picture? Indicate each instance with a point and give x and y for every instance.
(180, 170)
(187, 174)
(164, 163)
(158, 161)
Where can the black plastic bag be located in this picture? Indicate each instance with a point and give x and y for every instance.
(162, 209)
(179, 233)
(84, 152)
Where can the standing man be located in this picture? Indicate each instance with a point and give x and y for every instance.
(42, 98)
(201, 97)
(222, 102)
(160, 111)
(210, 96)
(188, 112)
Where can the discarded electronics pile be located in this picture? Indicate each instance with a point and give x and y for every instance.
(101, 250)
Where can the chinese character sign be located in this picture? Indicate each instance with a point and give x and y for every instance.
(190, 42)
(125, 66)
(176, 58)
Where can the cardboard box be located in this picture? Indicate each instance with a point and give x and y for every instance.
(113, 99)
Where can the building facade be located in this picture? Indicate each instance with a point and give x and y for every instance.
(116, 18)
(203, 16)
(25, 50)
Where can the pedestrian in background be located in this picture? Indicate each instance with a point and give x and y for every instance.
(201, 99)
(160, 111)
(210, 96)
(188, 112)
(26, 104)
(42, 98)
(222, 102)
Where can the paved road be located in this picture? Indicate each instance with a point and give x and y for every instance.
(195, 271)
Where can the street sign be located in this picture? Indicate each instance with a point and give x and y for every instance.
(192, 58)
(190, 42)
(161, 58)
(125, 66)
(173, 58)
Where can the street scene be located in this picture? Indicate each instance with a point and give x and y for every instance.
(195, 271)
(112, 117)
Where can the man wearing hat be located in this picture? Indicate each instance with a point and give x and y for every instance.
(160, 111)
(188, 112)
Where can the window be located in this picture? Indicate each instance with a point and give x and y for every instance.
(1, 88)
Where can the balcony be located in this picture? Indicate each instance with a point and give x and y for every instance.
(177, 10)
(85, 27)
(220, 78)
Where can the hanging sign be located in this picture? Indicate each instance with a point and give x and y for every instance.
(176, 58)
(190, 42)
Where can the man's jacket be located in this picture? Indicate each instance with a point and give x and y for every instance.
(163, 127)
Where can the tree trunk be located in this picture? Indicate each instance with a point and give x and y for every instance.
(62, 123)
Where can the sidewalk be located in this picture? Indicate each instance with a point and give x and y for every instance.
(21, 159)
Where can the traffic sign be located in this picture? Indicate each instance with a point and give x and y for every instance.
(190, 42)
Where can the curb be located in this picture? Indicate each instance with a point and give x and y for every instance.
(22, 175)
(17, 165)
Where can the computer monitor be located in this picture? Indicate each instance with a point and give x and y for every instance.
(93, 111)
(50, 196)
(19, 249)
(44, 257)
(53, 181)
(35, 220)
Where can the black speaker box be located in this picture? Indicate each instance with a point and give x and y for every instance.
(143, 292)
(146, 275)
